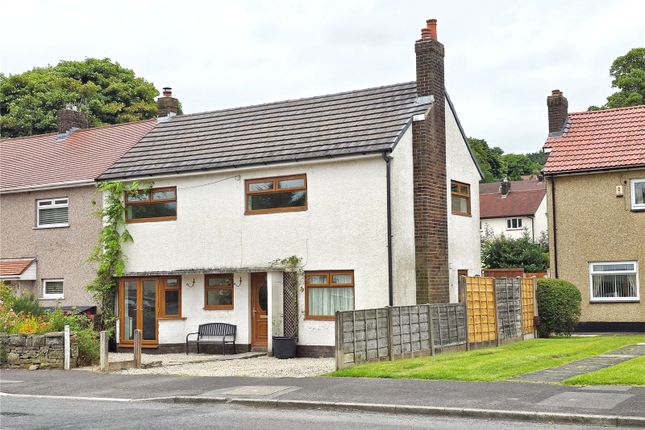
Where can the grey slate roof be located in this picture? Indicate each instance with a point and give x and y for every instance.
(350, 123)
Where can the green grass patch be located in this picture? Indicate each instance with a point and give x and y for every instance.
(630, 372)
(493, 364)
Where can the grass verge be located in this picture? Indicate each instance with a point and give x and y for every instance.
(630, 372)
(493, 364)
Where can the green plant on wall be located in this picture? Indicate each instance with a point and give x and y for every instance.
(108, 252)
(292, 268)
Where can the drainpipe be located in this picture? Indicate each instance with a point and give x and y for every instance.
(533, 227)
(555, 233)
(388, 180)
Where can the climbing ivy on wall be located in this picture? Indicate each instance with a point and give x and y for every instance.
(108, 252)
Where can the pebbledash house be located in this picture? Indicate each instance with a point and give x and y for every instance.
(374, 191)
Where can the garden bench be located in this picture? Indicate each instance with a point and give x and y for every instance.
(213, 334)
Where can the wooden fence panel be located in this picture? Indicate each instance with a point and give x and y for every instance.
(509, 307)
(448, 324)
(528, 305)
(480, 299)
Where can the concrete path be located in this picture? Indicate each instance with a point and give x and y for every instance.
(580, 367)
(498, 400)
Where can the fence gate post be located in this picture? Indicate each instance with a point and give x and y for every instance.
(497, 334)
(68, 349)
(137, 348)
(103, 339)
(463, 295)
(390, 333)
(339, 341)
(431, 329)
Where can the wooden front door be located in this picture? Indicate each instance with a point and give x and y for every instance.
(138, 309)
(259, 317)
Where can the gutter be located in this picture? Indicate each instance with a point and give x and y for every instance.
(54, 186)
(388, 180)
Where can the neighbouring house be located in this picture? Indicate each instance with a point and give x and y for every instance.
(47, 229)
(375, 190)
(512, 208)
(595, 175)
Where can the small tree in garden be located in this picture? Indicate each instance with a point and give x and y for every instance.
(558, 306)
(501, 252)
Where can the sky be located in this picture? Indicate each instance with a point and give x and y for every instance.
(502, 57)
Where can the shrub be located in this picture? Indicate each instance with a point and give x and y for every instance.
(27, 304)
(83, 327)
(558, 306)
(501, 252)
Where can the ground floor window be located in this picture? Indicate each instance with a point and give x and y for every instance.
(218, 291)
(53, 289)
(169, 298)
(614, 281)
(327, 292)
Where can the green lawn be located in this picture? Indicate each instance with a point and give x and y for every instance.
(631, 372)
(493, 364)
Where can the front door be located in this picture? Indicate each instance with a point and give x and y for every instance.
(259, 318)
(138, 310)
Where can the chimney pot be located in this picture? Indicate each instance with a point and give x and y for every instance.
(430, 31)
(167, 105)
(167, 91)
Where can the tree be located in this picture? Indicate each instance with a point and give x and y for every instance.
(104, 90)
(518, 165)
(501, 252)
(497, 166)
(628, 72)
(488, 158)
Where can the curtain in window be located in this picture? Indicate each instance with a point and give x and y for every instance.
(623, 285)
(326, 301)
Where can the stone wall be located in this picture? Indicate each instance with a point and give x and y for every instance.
(43, 350)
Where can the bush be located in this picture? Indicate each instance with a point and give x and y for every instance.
(501, 252)
(27, 304)
(558, 306)
(83, 327)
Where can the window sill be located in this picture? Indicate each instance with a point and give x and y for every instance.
(605, 302)
(47, 227)
(638, 209)
(160, 219)
(52, 298)
(171, 318)
(275, 211)
(462, 214)
(312, 318)
(218, 309)
(514, 229)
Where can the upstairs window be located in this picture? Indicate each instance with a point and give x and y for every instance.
(52, 213)
(156, 204)
(513, 223)
(53, 289)
(638, 194)
(460, 194)
(277, 194)
(614, 281)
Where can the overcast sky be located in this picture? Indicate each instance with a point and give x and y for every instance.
(502, 57)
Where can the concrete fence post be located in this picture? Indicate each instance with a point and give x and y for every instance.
(137, 348)
(103, 339)
(68, 348)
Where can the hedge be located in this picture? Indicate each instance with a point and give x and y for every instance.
(558, 306)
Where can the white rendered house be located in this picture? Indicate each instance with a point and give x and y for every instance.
(353, 184)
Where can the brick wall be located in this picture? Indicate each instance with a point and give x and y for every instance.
(558, 107)
(430, 185)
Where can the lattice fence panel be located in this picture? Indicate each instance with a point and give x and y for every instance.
(509, 307)
(290, 303)
(480, 299)
(528, 305)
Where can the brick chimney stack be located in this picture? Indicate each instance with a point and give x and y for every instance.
(558, 107)
(430, 185)
(70, 118)
(167, 105)
(505, 187)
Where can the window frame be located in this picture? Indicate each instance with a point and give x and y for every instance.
(459, 194)
(520, 223)
(329, 274)
(636, 206)
(593, 299)
(219, 287)
(150, 192)
(53, 296)
(54, 205)
(162, 283)
(274, 190)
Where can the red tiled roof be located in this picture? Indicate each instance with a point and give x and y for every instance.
(516, 203)
(14, 267)
(526, 185)
(599, 140)
(81, 156)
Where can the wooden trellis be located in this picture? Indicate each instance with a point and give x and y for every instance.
(528, 305)
(481, 309)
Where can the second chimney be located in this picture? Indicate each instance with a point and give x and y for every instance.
(558, 107)
(167, 105)
(70, 118)
(505, 187)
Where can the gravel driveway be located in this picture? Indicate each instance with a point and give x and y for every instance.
(262, 366)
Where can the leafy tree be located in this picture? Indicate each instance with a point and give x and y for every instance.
(501, 252)
(488, 158)
(628, 72)
(517, 165)
(538, 158)
(104, 90)
(497, 166)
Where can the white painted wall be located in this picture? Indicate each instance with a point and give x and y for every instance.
(497, 226)
(463, 232)
(343, 228)
(541, 220)
(403, 249)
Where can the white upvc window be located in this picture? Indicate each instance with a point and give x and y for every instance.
(513, 223)
(638, 194)
(52, 213)
(53, 289)
(615, 281)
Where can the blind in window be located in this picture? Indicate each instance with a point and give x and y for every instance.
(49, 216)
(54, 287)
